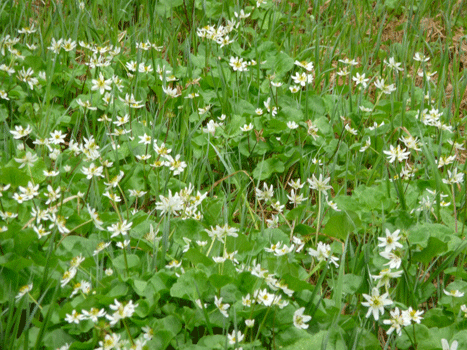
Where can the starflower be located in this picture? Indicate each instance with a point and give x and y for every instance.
(28, 160)
(266, 194)
(385, 276)
(300, 320)
(121, 227)
(171, 204)
(74, 317)
(397, 153)
(101, 84)
(23, 291)
(454, 293)
(319, 184)
(376, 303)
(410, 315)
(302, 79)
(323, 253)
(396, 321)
(19, 132)
(391, 241)
(235, 337)
(222, 307)
(93, 171)
(445, 345)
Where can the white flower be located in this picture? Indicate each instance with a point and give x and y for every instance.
(385, 276)
(247, 301)
(454, 177)
(222, 307)
(397, 153)
(349, 62)
(28, 160)
(412, 315)
(351, 130)
(266, 194)
(173, 264)
(394, 259)
(446, 346)
(294, 89)
(111, 341)
(242, 14)
(86, 104)
(121, 227)
(92, 171)
(93, 314)
(393, 64)
(171, 204)
(121, 311)
(246, 127)
(265, 298)
(323, 253)
(238, 64)
(295, 198)
(67, 276)
(454, 293)
(307, 65)
(376, 303)
(75, 317)
(420, 57)
(235, 337)
(100, 247)
(319, 184)
(360, 79)
(284, 250)
(386, 89)
(292, 125)
(396, 321)
(101, 84)
(391, 241)
(23, 291)
(302, 79)
(175, 164)
(148, 332)
(19, 132)
(171, 92)
(299, 319)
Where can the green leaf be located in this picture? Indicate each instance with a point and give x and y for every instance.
(219, 281)
(434, 248)
(316, 105)
(213, 341)
(189, 284)
(280, 64)
(118, 290)
(267, 167)
(132, 260)
(139, 286)
(160, 340)
(306, 342)
(341, 224)
(15, 263)
(195, 257)
(13, 176)
(3, 113)
(350, 283)
(420, 234)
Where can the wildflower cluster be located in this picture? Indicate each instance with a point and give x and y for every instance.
(229, 174)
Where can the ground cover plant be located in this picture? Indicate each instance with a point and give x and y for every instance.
(196, 174)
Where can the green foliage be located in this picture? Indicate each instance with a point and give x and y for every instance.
(201, 174)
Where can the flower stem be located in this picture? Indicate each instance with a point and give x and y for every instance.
(128, 331)
(318, 225)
